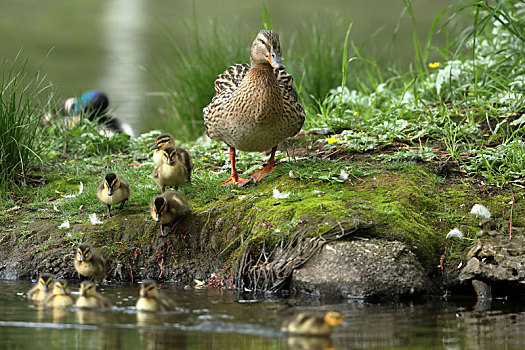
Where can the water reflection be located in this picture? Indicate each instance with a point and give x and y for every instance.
(224, 320)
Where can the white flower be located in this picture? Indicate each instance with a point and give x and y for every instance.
(480, 211)
(94, 220)
(65, 224)
(279, 195)
(455, 233)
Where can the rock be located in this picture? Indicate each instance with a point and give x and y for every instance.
(362, 269)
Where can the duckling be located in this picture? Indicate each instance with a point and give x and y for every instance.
(42, 288)
(161, 142)
(170, 207)
(61, 296)
(151, 300)
(113, 190)
(90, 298)
(175, 168)
(311, 324)
(255, 106)
(90, 263)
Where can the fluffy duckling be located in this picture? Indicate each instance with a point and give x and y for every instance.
(151, 300)
(113, 190)
(90, 298)
(161, 142)
(90, 263)
(169, 208)
(175, 168)
(42, 288)
(311, 324)
(60, 297)
(255, 106)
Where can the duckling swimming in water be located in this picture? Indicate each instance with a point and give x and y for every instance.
(90, 298)
(312, 324)
(175, 168)
(169, 208)
(90, 263)
(60, 297)
(42, 288)
(112, 191)
(151, 300)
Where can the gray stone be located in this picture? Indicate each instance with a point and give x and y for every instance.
(362, 269)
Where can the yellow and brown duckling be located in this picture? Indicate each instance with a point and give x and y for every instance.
(112, 191)
(90, 263)
(312, 324)
(151, 300)
(175, 168)
(161, 142)
(60, 297)
(255, 106)
(169, 209)
(42, 288)
(90, 298)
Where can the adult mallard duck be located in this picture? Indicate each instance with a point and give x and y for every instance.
(255, 106)
(312, 324)
(161, 142)
(151, 300)
(169, 208)
(42, 288)
(112, 191)
(175, 168)
(90, 263)
(90, 298)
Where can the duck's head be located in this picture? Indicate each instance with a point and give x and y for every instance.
(148, 289)
(163, 141)
(84, 252)
(266, 50)
(111, 183)
(159, 207)
(87, 288)
(44, 281)
(169, 155)
(333, 318)
(60, 288)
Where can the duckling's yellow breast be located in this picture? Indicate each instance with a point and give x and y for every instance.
(118, 196)
(61, 301)
(88, 302)
(149, 304)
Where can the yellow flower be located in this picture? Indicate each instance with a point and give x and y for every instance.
(433, 64)
(355, 113)
(333, 139)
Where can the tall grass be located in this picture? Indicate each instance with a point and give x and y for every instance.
(24, 99)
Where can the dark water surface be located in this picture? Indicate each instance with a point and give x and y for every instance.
(217, 319)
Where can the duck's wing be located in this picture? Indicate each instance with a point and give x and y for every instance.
(291, 105)
(231, 78)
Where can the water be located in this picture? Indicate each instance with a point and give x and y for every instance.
(116, 46)
(218, 319)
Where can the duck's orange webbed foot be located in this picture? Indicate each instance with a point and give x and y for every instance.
(239, 181)
(263, 172)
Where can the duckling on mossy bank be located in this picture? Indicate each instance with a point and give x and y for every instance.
(90, 298)
(312, 324)
(60, 297)
(151, 300)
(112, 191)
(90, 263)
(162, 141)
(255, 106)
(42, 288)
(169, 209)
(175, 168)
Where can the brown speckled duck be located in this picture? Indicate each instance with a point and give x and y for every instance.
(255, 106)
(175, 168)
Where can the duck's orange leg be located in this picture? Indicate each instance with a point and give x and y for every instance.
(239, 181)
(266, 170)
